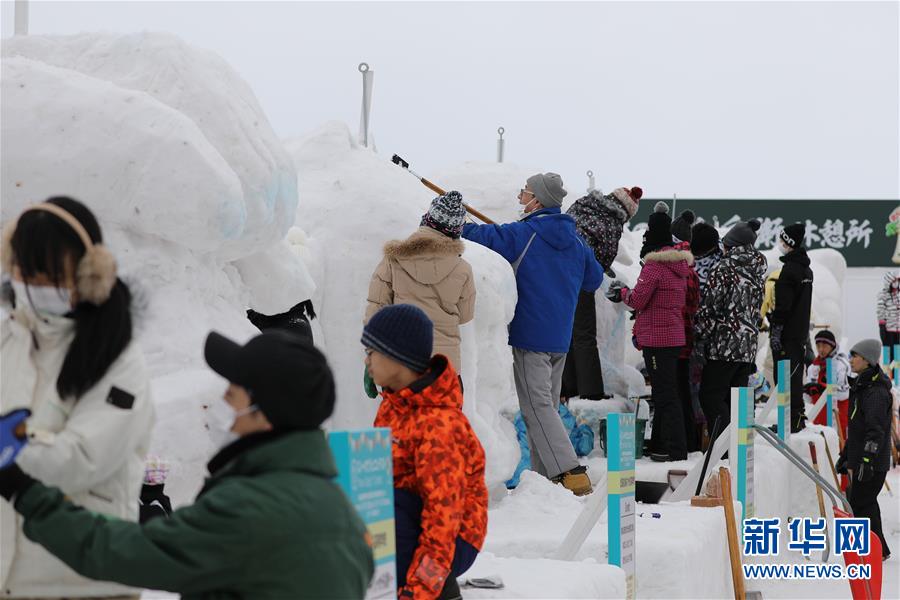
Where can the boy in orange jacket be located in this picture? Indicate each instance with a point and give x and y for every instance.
(440, 496)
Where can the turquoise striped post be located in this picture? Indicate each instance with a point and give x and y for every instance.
(620, 442)
(741, 452)
(784, 399)
(829, 391)
(896, 365)
(366, 474)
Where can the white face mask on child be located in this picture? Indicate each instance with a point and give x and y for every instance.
(783, 248)
(46, 300)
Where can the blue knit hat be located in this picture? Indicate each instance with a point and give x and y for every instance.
(404, 333)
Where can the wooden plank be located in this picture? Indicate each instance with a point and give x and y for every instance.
(734, 550)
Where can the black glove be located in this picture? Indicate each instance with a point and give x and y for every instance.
(882, 332)
(813, 389)
(866, 467)
(700, 352)
(614, 293)
(775, 339)
(841, 466)
(13, 482)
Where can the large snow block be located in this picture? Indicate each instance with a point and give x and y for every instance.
(144, 104)
(354, 202)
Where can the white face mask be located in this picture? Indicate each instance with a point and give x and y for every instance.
(783, 248)
(221, 418)
(524, 212)
(46, 300)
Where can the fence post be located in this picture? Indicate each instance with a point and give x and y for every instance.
(620, 443)
(896, 365)
(829, 390)
(741, 453)
(366, 474)
(368, 79)
(500, 143)
(784, 399)
(592, 185)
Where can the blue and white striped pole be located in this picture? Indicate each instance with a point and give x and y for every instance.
(741, 452)
(829, 393)
(620, 443)
(784, 399)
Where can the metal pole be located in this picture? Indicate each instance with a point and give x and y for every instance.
(500, 131)
(674, 204)
(21, 17)
(368, 76)
(591, 185)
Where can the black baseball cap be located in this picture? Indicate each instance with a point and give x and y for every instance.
(287, 377)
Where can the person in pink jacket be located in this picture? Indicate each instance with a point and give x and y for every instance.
(658, 300)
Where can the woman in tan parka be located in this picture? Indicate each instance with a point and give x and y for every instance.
(428, 271)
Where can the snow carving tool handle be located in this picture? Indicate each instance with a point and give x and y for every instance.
(437, 190)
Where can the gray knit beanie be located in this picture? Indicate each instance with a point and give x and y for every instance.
(548, 189)
(742, 234)
(869, 349)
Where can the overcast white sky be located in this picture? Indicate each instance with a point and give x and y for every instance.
(702, 99)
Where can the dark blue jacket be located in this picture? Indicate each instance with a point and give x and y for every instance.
(556, 267)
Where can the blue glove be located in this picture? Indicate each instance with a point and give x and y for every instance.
(12, 435)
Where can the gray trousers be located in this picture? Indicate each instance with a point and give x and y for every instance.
(538, 378)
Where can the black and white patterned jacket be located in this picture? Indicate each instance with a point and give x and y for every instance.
(599, 221)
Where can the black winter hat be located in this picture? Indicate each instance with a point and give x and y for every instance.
(826, 337)
(681, 226)
(286, 376)
(659, 228)
(402, 332)
(704, 239)
(741, 234)
(793, 235)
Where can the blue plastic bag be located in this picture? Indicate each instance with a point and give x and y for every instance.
(581, 436)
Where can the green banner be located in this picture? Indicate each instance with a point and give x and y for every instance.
(855, 228)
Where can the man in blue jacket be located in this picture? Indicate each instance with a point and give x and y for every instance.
(552, 265)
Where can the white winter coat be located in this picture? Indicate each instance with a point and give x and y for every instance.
(888, 307)
(840, 371)
(92, 449)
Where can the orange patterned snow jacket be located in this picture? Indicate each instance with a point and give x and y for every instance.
(437, 457)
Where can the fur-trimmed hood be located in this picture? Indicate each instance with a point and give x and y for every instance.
(427, 255)
(669, 255)
(677, 261)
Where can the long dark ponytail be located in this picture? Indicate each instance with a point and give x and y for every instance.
(43, 244)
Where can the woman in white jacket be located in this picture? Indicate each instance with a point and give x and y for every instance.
(67, 355)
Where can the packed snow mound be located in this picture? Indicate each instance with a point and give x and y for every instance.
(194, 193)
(354, 202)
(489, 187)
(170, 131)
(67, 133)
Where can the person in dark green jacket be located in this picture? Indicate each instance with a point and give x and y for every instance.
(270, 522)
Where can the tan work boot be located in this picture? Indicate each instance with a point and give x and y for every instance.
(576, 481)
